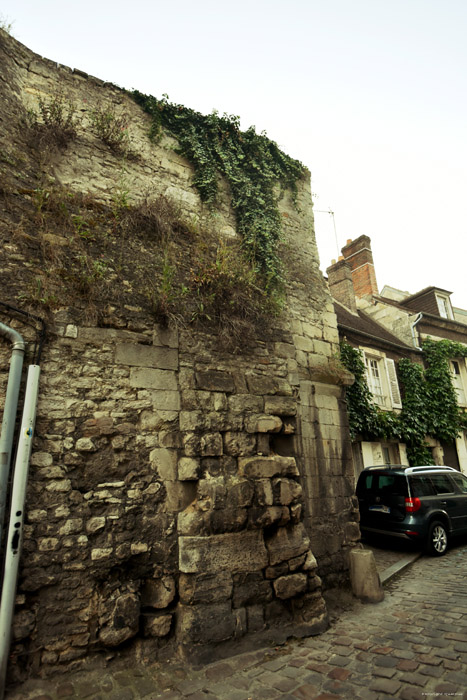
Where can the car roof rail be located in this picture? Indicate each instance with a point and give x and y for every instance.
(433, 467)
(411, 470)
(386, 466)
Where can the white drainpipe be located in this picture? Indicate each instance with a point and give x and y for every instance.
(414, 335)
(9, 413)
(15, 531)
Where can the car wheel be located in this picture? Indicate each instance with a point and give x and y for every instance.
(437, 540)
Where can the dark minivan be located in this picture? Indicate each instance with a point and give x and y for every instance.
(424, 504)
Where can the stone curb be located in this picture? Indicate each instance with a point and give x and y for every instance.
(399, 566)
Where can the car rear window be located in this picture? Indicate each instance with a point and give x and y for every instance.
(386, 483)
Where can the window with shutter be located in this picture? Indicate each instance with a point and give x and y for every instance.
(373, 376)
(393, 383)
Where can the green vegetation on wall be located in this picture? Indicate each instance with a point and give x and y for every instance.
(445, 418)
(99, 256)
(429, 404)
(53, 126)
(253, 165)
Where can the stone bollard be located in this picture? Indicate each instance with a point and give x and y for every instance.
(366, 584)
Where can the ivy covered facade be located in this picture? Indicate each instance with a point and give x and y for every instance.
(408, 353)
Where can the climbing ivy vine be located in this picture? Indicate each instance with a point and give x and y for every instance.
(445, 419)
(414, 414)
(429, 404)
(363, 414)
(252, 164)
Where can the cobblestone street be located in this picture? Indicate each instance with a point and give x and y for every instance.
(411, 646)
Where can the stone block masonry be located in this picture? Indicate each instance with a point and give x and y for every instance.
(170, 506)
(180, 497)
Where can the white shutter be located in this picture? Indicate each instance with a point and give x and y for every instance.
(393, 383)
(456, 374)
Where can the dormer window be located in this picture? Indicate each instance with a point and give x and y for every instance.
(444, 306)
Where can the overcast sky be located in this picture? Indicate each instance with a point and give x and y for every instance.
(369, 94)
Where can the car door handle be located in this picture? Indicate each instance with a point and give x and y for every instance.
(444, 503)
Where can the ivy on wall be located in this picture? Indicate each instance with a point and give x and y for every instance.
(364, 416)
(252, 164)
(414, 414)
(445, 419)
(429, 404)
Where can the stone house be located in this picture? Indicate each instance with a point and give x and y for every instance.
(181, 497)
(381, 351)
(388, 326)
(439, 320)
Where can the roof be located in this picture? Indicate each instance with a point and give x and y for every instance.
(362, 324)
(422, 292)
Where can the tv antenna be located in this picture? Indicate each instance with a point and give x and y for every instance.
(331, 213)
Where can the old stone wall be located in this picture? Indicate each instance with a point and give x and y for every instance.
(180, 497)
(398, 321)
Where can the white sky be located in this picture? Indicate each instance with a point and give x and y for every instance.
(369, 94)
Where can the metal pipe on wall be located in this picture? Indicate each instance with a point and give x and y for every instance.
(9, 413)
(414, 335)
(16, 526)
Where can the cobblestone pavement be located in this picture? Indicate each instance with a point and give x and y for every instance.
(411, 646)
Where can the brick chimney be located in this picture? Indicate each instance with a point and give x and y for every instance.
(357, 254)
(340, 283)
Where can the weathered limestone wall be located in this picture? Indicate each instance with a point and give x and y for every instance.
(396, 320)
(180, 497)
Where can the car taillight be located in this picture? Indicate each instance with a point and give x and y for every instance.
(412, 505)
